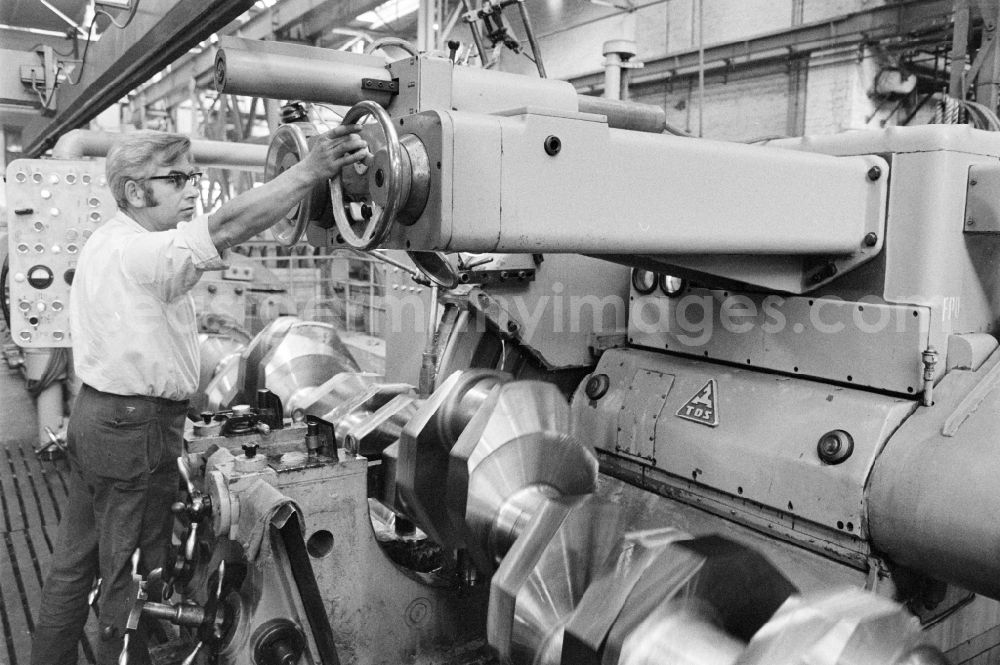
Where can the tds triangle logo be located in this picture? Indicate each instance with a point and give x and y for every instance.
(702, 407)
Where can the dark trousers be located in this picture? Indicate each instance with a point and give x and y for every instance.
(123, 477)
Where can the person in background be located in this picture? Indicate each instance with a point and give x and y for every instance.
(135, 345)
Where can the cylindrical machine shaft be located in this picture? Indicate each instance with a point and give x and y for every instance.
(282, 76)
(180, 615)
(263, 71)
(625, 115)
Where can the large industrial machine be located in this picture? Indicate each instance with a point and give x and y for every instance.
(684, 401)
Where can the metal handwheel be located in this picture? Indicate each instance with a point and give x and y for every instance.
(384, 184)
(288, 146)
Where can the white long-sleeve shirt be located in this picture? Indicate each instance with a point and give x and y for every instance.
(132, 317)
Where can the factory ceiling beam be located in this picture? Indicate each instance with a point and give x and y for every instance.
(869, 25)
(159, 34)
(313, 16)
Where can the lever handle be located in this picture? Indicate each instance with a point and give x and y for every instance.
(133, 616)
(191, 540)
(190, 659)
(123, 656)
(95, 592)
(182, 467)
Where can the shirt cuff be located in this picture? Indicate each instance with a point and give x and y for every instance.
(203, 250)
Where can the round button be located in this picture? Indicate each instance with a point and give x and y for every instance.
(597, 386)
(40, 248)
(95, 216)
(38, 226)
(57, 306)
(25, 336)
(71, 178)
(71, 234)
(40, 306)
(54, 179)
(40, 277)
(71, 248)
(58, 335)
(24, 305)
(22, 248)
(21, 176)
(19, 277)
(56, 249)
(835, 446)
(85, 178)
(36, 177)
(45, 194)
(94, 201)
(54, 212)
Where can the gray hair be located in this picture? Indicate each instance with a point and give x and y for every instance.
(132, 155)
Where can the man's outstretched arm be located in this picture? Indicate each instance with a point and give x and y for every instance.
(255, 210)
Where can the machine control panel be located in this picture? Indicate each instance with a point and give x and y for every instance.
(53, 206)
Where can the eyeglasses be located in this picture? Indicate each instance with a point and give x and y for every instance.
(179, 179)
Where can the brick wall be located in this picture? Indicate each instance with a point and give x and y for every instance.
(573, 47)
(763, 100)
(819, 10)
(739, 107)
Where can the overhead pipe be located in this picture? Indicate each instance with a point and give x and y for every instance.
(79, 143)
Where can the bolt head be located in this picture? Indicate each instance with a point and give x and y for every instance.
(874, 173)
(871, 239)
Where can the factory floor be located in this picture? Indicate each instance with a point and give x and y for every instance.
(32, 491)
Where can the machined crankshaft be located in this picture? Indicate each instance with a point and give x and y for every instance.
(492, 466)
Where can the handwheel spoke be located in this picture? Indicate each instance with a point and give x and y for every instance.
(288, 146)
(384, 182)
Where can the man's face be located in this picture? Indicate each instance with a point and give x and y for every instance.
(158, 203)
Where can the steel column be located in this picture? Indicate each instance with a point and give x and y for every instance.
(988, 80)
(959, 49)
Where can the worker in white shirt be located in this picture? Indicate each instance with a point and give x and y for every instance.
(135, 348)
